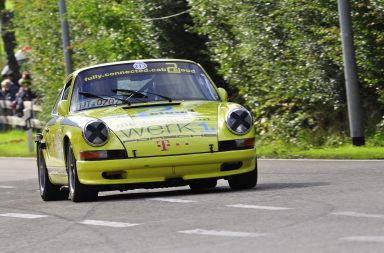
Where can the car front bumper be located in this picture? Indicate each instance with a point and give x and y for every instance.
(163, 168)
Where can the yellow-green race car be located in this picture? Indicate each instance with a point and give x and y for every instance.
(143, 124)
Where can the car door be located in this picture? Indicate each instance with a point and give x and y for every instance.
(53, 133)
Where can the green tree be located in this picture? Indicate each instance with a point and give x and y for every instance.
(9, 39)
(173, 26)
(100, 32)
(286, 59)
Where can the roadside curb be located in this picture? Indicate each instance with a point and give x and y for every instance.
(319, 160)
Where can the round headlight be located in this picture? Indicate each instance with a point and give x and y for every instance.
(239, 120)
(96, 133)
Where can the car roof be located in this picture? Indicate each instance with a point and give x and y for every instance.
(124, 62)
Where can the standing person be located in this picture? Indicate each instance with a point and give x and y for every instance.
(25, 77)
(25, 92)
(5, 95)
(19, 105)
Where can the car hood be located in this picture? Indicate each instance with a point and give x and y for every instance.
(168, 129)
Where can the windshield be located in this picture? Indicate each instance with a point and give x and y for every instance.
(140, 82)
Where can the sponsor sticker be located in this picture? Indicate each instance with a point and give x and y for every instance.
(139, 65)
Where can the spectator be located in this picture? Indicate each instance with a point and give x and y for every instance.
(13, 87)
(25, 77)
(25, 92)
(5, 93)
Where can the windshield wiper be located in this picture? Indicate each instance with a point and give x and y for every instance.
(136, 93)
(141, 95)
(91, 95)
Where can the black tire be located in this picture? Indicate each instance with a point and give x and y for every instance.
(77, 191)
(243, 181)
(203, 184)
(48, 191)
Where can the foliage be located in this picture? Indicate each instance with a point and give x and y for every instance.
(38, 27)
(100, 31)
(177, 39)
(9, 39)
(286, 59)
(109, 31)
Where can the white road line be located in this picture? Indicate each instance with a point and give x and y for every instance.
(23, 215)
(360, 215)
(320, 160)
(364, 238)
(108, 223)
(199, 231)
(6, 187)
(172, 200)
(272, 208)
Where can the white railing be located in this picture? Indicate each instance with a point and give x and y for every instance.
(9, 119)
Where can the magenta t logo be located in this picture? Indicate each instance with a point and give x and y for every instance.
(163, 144)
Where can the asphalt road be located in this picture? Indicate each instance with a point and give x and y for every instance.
(298, 206)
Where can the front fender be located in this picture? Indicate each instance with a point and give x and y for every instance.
(224, 133)
(74, 136)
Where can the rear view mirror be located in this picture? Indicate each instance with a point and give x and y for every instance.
(63, 108)
(223, 94)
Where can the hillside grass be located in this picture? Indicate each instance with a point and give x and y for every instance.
(346, 151)
(15, 144)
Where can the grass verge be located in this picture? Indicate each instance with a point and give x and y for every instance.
(341, 152)
(15, 144)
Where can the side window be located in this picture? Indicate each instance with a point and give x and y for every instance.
(63, 95)
(66, 90)
(54, 111)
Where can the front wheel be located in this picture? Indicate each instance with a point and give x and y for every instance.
(243, 181)
(77, 191)
(48, 191)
